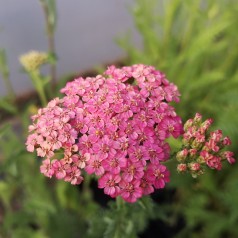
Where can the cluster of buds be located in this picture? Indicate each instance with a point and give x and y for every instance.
(202, 148)
(111, 128)
(32, 60)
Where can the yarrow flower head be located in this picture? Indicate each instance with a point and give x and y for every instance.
(113, 125)
(32, 60)
(202, 148)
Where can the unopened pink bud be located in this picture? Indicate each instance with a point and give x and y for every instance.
(198, 118)
(212, 145)
(196, 144)
(231, 160)
(194, 166)
(226, 141)
(181, 155)
(188, 124)
(214, 162)
(205, 125)
(193, 153)
(229, 156)
(216, 135)
(181, 168)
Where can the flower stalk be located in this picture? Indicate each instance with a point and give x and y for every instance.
(49, 9)
(5, 74)
(39, 86)
(31, 62)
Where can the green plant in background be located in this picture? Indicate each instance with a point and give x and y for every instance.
(7, 103)
(5, 74)
(195, 44)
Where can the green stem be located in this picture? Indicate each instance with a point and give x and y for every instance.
(5, 74)
(38, 83)
(50, 29)
(120, 203)
(42, 95)
(86, 187)
(168, 161)
(120, 206)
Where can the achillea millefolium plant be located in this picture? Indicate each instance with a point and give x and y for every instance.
(115, 126)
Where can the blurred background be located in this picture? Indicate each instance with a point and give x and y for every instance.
(84, 38)
(195, 43)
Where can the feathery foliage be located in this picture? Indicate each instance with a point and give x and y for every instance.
(195, 44)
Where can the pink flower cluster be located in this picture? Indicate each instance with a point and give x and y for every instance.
(202, 148)
(114, 126)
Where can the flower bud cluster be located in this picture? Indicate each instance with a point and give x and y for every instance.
(32, 60)
(202, 148)
(112, 125)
